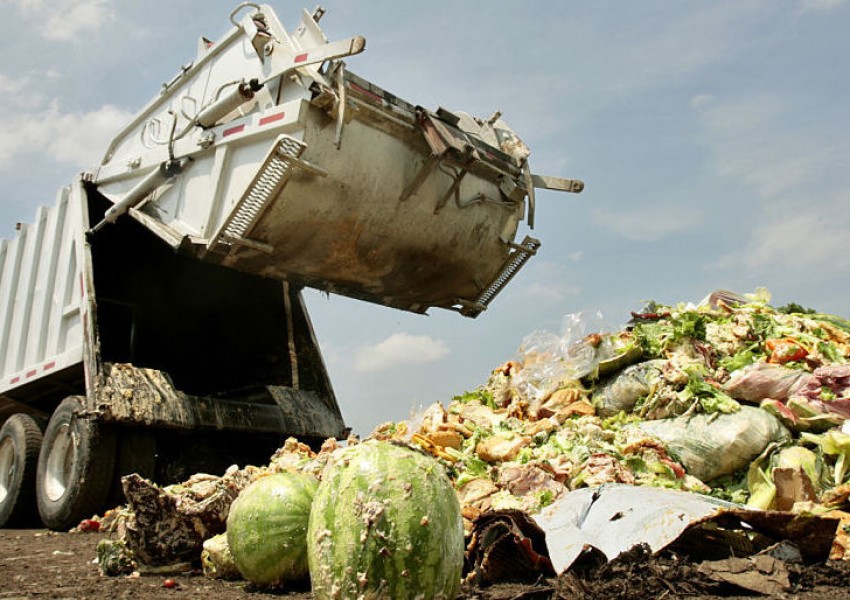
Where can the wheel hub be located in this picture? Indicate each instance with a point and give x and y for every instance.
(7, 468)
(60, 463)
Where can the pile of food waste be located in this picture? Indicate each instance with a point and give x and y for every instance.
(733, 411)
(737, 400)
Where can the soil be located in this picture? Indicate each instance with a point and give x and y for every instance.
(36, 563)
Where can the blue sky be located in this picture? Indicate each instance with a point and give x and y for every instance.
(714, 138)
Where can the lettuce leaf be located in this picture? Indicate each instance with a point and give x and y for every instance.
(833, 443)
(711, 399)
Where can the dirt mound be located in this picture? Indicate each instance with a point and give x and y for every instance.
(637, 575)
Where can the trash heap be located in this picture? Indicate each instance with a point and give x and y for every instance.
(734, 400)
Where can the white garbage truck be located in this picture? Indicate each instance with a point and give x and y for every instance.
(152, 318)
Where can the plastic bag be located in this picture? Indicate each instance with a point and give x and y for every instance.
(762, 380)
(621, 392)
(582, 350)
(549, 359)
(543, 367)
(709, 446)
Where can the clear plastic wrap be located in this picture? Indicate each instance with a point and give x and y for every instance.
(548, 359)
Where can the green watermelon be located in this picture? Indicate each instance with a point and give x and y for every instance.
(267, 529)
(386, 524)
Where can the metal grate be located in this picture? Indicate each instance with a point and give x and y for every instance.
(515, 261)
(265, 187)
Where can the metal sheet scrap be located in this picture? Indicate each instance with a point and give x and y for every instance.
(613, 518)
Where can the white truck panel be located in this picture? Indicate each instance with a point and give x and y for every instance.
(40, 295)
(23, 303)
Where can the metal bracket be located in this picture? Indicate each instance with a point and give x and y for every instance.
(248, 243)
(421, 176)
(532, 200)
(546, 182)
(313, 56)
(339, 76)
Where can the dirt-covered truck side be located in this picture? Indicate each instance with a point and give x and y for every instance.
(153, 316)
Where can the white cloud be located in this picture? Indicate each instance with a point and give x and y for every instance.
(650, 222)
(400, 349)
(820, 5)
(800, 238)
(78, 139)
(771, 145)
(701, 101)
(550, 292)
(666, 45)
(9, 86)
(549, 283)
(794, 168)
(64, 20)
(740, 115)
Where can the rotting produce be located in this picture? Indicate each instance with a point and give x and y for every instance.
(159, 299)
(153, 316)
(267, 528)
(540, 474)
(385, 524)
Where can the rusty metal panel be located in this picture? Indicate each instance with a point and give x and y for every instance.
(349, 233)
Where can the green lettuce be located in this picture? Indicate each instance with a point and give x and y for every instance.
(833, 443)
(711, 399)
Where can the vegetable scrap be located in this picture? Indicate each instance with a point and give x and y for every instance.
(733, 401)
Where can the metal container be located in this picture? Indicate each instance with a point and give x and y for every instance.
(266, 155)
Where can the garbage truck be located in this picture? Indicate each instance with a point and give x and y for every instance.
(152, 317)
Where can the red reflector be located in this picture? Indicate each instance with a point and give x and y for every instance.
(301, 58)
(368, 93)
(32, 373)
(14, 380)
(271, 119)
(49, 366)
(232, 130)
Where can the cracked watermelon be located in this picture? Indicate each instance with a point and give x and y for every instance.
(386, 524)
(267, 529)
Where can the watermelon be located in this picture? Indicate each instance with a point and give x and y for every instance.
(386, 523)
(267, 529)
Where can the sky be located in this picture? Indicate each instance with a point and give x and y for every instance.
(713, 137)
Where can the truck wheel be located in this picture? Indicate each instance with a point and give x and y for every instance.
(74, 467)
(20, 440)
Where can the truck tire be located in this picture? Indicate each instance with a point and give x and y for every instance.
(75, 466)
(20, 441)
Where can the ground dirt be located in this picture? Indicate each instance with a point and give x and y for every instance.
(42, 564)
